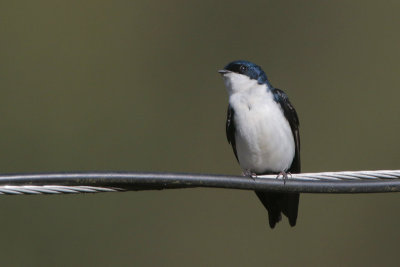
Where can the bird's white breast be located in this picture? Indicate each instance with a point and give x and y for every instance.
(264, 139)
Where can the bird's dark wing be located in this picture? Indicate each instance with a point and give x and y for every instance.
(230, 129)
(291, 115)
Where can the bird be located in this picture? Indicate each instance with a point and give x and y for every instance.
(262, 127)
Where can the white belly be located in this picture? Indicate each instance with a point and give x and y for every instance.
(264, 139)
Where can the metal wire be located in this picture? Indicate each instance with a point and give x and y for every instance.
(94, 182)
(51, 189)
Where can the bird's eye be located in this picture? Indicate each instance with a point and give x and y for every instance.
(243, 68)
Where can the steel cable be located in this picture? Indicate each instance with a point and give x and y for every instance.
(94, 182)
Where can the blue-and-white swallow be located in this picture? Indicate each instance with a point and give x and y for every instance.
(263, 128)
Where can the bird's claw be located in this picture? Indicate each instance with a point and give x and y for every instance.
(250, 174)
(284, 176)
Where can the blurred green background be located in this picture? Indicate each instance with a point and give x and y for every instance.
(132, 86)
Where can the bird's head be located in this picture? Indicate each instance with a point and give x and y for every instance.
(242, 75)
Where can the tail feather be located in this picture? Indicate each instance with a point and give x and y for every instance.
(290, 207)
(277, 203)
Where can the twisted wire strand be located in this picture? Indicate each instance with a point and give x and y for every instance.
(95, 182)
(51, 189)
(344, 175)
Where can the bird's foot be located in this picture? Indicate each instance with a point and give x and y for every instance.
(285, 176)
(250, 174)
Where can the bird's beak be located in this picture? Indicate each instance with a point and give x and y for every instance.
(222, 72)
